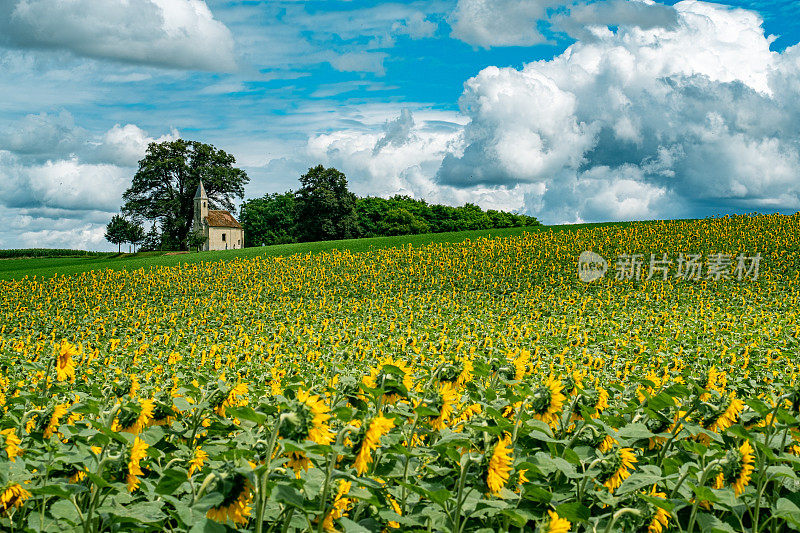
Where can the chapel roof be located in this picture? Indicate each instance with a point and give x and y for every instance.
(218, 218)
(201, 191)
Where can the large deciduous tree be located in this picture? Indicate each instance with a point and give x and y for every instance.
(117, 231)
(325, 209)
(163, 188)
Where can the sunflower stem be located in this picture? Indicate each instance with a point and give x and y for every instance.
(618, 514)
(762, 458)
(466, 459)
(696, 503)
(673, 434)
(330, 462)
(262, 482)
(410, 441)
(206, 482)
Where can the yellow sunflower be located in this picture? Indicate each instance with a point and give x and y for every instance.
(138, 452)
(11, 443)
(237, 493)
(621, 465)
(341, 504)
(725, 420)
(379, 427)
(12, 497)
(55, 419)
(307, 420)
(660, 518)
(466, 414)
(134, 419)
(445, 402)
(548, 401)
(555, 524)
(740, 477)
(319, 430)
(65, 366)
(236, 397)
(499, 469)
(199, 457)
(388, 374)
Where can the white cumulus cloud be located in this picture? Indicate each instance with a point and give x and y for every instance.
(179, 34)
(694, 118)
(59, 184)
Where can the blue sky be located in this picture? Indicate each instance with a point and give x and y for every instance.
(570, 111)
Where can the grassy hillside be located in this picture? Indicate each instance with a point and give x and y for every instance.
(50, 266)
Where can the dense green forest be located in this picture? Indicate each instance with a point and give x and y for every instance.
(273, 219)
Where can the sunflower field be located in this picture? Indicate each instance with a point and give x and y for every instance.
(477, 386)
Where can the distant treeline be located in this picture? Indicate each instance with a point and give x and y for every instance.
(47, 252)
(273, 219)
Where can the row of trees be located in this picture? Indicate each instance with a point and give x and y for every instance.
(324, 209)
(163, 188)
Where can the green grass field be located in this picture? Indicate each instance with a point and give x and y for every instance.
(49, 266)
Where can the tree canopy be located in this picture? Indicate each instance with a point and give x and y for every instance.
(121, 230)
(324, 208)
(269, 220)
(117, 231)
(164, 186)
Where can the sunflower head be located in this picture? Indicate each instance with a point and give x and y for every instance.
(127, 468)
(547, 401)
(499, 468)
(737, 467)
(393, 376)
(370, 441)
(656, 519)
(65, 366)
(237, 495)
(616, 467)
(12, 496)
(555, 524)
(49, 422)
(443, 400)
(339, 506)
(134, 416)
(594, 401)
(11, 443)
(306, 418)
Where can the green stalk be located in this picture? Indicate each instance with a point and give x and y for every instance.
(696, 503)
(762, 459)
(331, 461)
(465, 461)
(618, 514)
(409, 440)
(673, 434)
(262, 482)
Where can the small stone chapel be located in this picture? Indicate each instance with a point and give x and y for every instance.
(222, 231)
